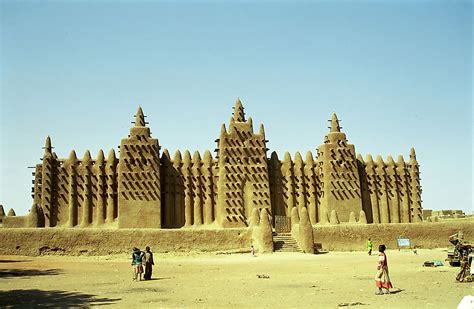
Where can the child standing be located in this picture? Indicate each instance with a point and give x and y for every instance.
(137, 258)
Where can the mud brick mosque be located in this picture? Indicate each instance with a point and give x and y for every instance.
(144, 188)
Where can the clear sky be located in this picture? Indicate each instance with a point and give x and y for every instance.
(397, 73)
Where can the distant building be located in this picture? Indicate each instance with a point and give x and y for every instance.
(442, 214)
(146, 189)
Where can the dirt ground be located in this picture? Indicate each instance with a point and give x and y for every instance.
(331, 280)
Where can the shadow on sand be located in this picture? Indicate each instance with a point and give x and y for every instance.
(14, 261)
(9, 273)
(56, 299)
(157, 278)
(396, 291)
(320, 252)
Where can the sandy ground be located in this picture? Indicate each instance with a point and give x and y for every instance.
(329, 280)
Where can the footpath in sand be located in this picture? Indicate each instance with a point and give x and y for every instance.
(279, 280)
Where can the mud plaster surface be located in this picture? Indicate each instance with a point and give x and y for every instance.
(230, 280)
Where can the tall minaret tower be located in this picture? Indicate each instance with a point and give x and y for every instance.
(139, 193)
(47, 185)
(243, 171)
(415, 196)
(339, 175)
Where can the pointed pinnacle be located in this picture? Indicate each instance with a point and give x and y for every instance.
(379, 160)
(238, 114)
(274, 156)
(111, 157)
(298, 159)
(139, 118)
(261, 130)
(207, 159)
(100, 157)
(390, 160)
(166, 154)
(177, 157)
(187, 158)
(47, 144)
(400, 161)
(335, 123)
(87, 157)
(72, 156)
(223, 129)
(196, 157)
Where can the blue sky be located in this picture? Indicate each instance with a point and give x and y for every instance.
(397, 73)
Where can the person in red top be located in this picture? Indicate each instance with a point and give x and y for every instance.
(382, 279)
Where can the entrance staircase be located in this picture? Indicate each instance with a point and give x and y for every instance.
(283, 242)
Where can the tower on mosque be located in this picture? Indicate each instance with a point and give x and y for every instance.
(145, 189)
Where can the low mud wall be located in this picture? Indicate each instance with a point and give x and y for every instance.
(424, 235)
(72, 241)
(63, 241)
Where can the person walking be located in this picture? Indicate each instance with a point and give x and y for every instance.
(369, 246)
(382, 278)
(148, 259)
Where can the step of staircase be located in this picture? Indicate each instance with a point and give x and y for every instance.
(283, 242)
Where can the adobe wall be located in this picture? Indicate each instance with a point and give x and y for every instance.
(424, 235)
(67, 241)
(143, 190)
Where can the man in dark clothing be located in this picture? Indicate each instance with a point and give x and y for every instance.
(148, 258)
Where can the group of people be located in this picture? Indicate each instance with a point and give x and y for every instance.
(140, 258)
(382, 278)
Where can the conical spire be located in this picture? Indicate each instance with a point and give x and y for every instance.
(166, 154)
(177, 157)
(238, 114)
(223, 130)
(261, 130)
(335, 123)
(111, 157)
(274, 156)
(390, 160)
(100, 158)
(72, 157)
(207, 159)
(298, 159)
(309, 158)
(400, 161)
(47, 145)
(196, 158)
(187, 158)
(250, 122)
(412, 154)
(379, 161)
(139, 118)
(87, 158)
